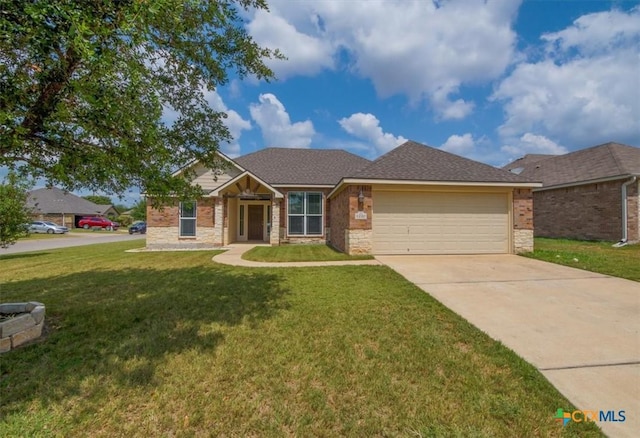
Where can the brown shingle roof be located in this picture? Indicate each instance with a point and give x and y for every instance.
(607, 160)
(301, 166)
(54, 200)
(418, 162)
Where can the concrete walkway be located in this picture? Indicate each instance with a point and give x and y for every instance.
(233, 256)
(579, 328)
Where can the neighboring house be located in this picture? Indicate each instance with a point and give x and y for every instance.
(63, 208)
(108, 211)
(583, 192)
(413, 200)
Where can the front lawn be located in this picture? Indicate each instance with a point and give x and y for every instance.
(599, 257)
(299, 253)
(171, 344)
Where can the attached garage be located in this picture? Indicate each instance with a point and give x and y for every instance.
(432, 222)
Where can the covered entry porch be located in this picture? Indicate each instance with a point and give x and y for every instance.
(251, 210)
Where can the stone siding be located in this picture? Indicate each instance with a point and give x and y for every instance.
(274, 236)
(589, 212)
(522, 241)
(169, 238)
(359, 241)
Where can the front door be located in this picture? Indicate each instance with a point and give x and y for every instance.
(256, 225)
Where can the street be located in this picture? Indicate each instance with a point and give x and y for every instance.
(69, 240)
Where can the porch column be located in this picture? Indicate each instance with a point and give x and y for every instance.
(274, 236)
(218, 219)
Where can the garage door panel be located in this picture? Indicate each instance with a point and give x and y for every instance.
(440, 223)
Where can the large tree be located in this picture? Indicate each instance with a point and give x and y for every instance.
(84, 86)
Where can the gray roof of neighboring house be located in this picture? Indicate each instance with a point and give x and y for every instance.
(54, 200)
(418, 162)
(104, 208)
(277, 166)
(607, 160)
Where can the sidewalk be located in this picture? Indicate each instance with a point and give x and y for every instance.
(233, 256)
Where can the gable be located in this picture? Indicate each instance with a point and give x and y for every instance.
(210, 179)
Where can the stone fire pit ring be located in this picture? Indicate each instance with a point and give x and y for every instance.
(20, 323)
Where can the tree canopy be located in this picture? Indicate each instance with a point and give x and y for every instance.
(14, 214)
(98, 199)
(84, 86)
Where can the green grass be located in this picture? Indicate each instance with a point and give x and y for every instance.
(598, 257)
(171, 344)
(298, 253)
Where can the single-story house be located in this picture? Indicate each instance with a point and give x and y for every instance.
(412, 200)
(64, 208)
(589, 194)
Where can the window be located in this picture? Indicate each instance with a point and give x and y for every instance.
(188, 219)
(242, 220)
(305, 213)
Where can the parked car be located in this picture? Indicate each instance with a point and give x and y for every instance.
(95, 221)
(47, 227)
(138, 227)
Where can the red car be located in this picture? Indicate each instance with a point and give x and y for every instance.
(94, 221)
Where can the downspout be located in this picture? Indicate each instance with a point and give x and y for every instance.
(624, 239)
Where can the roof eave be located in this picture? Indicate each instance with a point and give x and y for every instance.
(586, 182)
(347, 181)
(320, 186)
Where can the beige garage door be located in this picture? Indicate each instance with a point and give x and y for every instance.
(440, 223)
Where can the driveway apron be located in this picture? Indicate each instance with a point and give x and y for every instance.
(579, 328)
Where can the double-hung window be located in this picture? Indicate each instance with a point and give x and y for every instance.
(188, 219)
(305, 213)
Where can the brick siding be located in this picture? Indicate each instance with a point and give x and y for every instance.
(590, 212)
(522, 209)
(57, 218)
(343, 210)
(169, 216)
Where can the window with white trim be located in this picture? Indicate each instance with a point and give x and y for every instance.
(188, 219)
(304, 213)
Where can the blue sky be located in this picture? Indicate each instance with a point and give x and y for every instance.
(490, 80)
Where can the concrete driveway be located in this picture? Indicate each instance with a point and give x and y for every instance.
(580, 329)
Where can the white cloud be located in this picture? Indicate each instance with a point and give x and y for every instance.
(597, 32)
(585, 91)
(425, 50)
(367, 127)
(234, 123)
(277, 129)
(533, 144)
(306, 54)
(459, 144)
